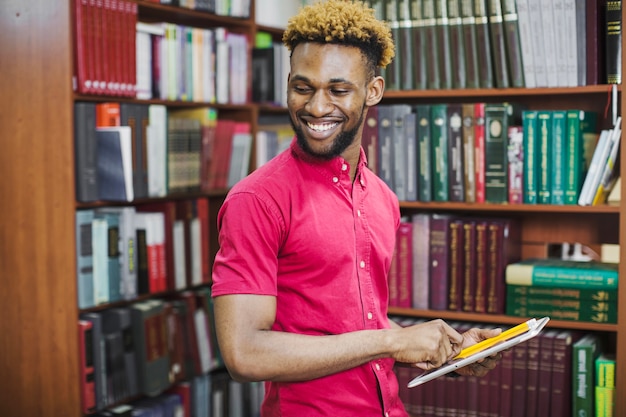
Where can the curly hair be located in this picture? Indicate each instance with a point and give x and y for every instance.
(342, 22)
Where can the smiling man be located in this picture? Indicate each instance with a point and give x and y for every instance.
(306, 241)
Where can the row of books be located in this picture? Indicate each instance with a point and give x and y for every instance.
(498, 43)
(143, 349)
(450, 262)
(487, 152)
(233, 8)
(270, 72)
(130, 151)
(274, 135)
(551, 375)
(125, 252)
(115, 55)
(176, 62)
(563, 289)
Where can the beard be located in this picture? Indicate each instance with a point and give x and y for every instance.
(339, 144)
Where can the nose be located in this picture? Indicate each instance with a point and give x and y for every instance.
(319, 104)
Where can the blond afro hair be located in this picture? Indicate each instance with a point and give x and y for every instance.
(342, 22)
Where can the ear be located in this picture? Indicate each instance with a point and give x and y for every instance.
(375, 90)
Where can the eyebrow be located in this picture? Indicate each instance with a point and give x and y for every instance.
(331, 81)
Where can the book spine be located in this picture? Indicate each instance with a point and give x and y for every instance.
(498, 44)
(479, 151)
(515, 165)
(420, 51)
(468, 138)
(442, 25)
(584, 353)
(424, 144)
(439, 152)
(457, 265)
(613, 37)
(392, 72)
(558, 155)
(482, 262)
(551, 276)
(457, 45)
(483, 45)
(561, 403)
(544, 140)
(405, 45)
(411, 155)
(526, 43)
(455, 166)
(561, 293)
(439, 261)
(385, 154)
(432, 45)
(496, 131)
(510, 23)
(404, 265)
(573, 158)
(421, 260)
(469, 265)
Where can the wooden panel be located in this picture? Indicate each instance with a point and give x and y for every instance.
(38, 346)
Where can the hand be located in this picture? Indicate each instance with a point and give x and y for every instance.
(483, 366)
(427, 345)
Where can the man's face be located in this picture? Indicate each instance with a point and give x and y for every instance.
(328, 93)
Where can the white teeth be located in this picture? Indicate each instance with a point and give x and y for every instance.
(321, 128)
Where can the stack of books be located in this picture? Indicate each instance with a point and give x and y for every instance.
(562, 289)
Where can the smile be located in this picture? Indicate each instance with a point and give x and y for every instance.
(321, 127)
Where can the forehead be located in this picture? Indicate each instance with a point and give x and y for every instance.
(324, 62)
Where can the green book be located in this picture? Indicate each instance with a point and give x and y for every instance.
(584, 354)
(605, 402)
(557, 313)
(483, 45)
(588, 307)
(439, 151)
(457, 45)
(530, 170)
(544, 149)
(563, 293)
(564, 273)
(605, 370)
(420, 52)
(510, 26)
(557, 152)
(424, 176)
(444, 45)
(470, 44)
(574, 162)
(432, 49)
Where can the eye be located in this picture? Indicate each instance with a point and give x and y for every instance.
(302, 89)
(339, 91)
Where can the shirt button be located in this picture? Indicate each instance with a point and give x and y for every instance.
(362, 182)
(387, 414)
(369, 316)
(358, 213)
(335, 179)
(362, 264)
(377, 367)
(344, 167)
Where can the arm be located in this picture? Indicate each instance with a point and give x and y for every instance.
(252, 351)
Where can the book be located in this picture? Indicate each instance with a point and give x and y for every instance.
(405, 46)
(511, 32)
(455, 166)
(421, 260)
(432, 45)
(605, 385)
(87, 379)
(470, 43)
(526, 43)
(503, 248)
(424, 144)
(609, 172)
(411, 156)
(469, 265)
(456, 266)
(574, 162)
(584, 354)
(538, 40)
(98, 353)
(156, 152)
(544, 159)
(150, 334)
(557, 155)
(457, 44)
(99, 244)
(498, 44)
(482, 262)
(479, 151)
(600, 156)
(114, 163)
(419, 40)
(515, 167)
(469, 157)
(239, 164)
(563, 273)
(439, 261)
(117, 322)
(442, 30)
(613, 42)
(385, 144)
(112, 251)
(595, 63)
(483, 45)
(84, 258)
(439, 152)
(369, 139)
(85, 147)
(563, 294)
(561, 401)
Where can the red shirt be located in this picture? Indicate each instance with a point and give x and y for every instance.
(298, 229)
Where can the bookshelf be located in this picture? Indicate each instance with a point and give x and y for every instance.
(39, 343)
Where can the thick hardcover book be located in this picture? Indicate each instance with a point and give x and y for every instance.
(385, 147)
(515, 152)
(118, 321)
(533, 347)
(156, 158)
(483, 45)
(482, 263)
(519, 383)
(469, 265)
(498, 118)
(561, 293)
(439, 151)
(115, 163)
(530, 181)
(613, 39)
(85, 146)
(544, 394)
(87, 379)
(457, 45)
(392, 72)
(479, 151)
(115, 363)
(469, 165)
(150, 335)
(563, 273)
(421, 260)
(456, 265)
(99, 358)
(420, 52)
(400, 150)
(498, 44)
(369, 141)
(263, 75)
(113, 254)
(433, 51)
(506, 382)
(439, 261)
(537, 39)
(574, 162)
(526, 43)
(411, 155)
(456, 170)
(558, 171)
(584, 354)
(470, 44)
(544, 158)
(559, 313)
(83, 46)
(444, 44)
(84, 258)
(549, 42)
(503, 247)
(511, 32)
(424, 145)
(406, 48)
(561, 400)
(594, 34)
(137, 117)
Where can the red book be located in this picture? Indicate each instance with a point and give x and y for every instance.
(108, 114)
(193, 365)
(519, 399)
(130, 48)
(404, 252)
(561, 401)
(439, 261)
(168, 208)
(87, 376)
(456, 266)
(479, 151)
(369, 141)
(532, 380)
(469, 265)
(205, 235)
(480, 301)
(218, 171)
(82, 12)
(503, 248)
(506, 382)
